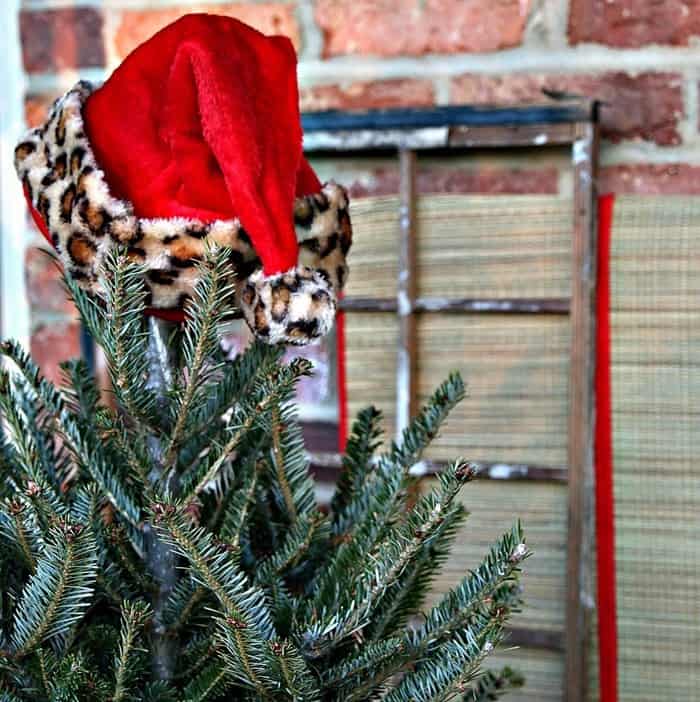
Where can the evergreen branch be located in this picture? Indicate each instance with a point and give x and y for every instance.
(278, 460)
(184, 600)
(492, 686)
(26, 538)
(298, 542)
(236, 380)
(195, 654)
(80, 389)
(126, 664)
(44, 674)
(91, 308)
(381, 493)
(447, 673)
(82, 441)
(246, 627)
(119, 329)
(31, 451)
(131, 450)
(236, 647)
(298, 683)
(60, 591)
(267, 393)
(159, 691)
(382, 569)
(406, 596)
(210, 304)
(496, 574)
(364, 440)
(237, 514)
(292, 485)
(214, 568)
(343, 678)
(210, 683)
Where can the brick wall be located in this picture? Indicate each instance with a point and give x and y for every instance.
(640, 57)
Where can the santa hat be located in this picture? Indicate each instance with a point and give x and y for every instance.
(195, 138)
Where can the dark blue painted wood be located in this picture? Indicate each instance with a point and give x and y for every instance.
(458, 115)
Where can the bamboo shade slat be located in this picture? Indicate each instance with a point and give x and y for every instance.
(516, 368)
(655, 287)
(516, 371)
(467, 246)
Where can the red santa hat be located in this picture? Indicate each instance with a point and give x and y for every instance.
(196, 137)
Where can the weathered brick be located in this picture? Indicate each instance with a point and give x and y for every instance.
(268, 17)
(36, 108)
(647, 106)
(44, 279)
(634, 23)
(491, 180)
(55, 342)
(53, 40)
(651, 179)
(415, 27)
(369, 95)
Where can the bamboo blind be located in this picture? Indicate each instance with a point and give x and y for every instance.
(655, 289)
(516, 368)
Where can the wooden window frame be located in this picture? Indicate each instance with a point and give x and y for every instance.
(409, 132)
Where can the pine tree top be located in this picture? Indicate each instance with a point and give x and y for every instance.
(167, 544)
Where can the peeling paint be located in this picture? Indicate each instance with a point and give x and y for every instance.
(580, 151)
(419, 469)
(404, 304)
(504, 471)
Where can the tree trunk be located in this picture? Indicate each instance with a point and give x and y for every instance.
(161, 560)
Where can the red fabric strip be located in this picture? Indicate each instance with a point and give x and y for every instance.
(342, 380)
(605, 498)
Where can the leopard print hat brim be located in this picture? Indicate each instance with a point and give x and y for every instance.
(69, 192)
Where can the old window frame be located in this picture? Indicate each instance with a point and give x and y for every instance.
(573, 124)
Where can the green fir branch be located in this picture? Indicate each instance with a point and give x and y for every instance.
(246, 627)
(381, 568)
(119, 328)
(251, 413)
(290, 480)
(363, 441)
(128, 663)
(493, 685)
(496, 575)
(82, 441)
(210, 304)
(59, 592)
(449, 671)
(209, 684)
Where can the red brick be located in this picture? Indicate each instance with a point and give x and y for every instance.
(52, 343)
(651, 179)
(634, 23)
(647, 106)
(53, 40)
(270, 18)
(484, 180)
(36, 108)
(44, 279)
(369, 95)
(416, 27)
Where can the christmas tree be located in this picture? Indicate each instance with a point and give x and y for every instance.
(168, 545)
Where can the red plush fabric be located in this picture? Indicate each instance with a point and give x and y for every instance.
(605, 493)
(202, 121)
(37, 218)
